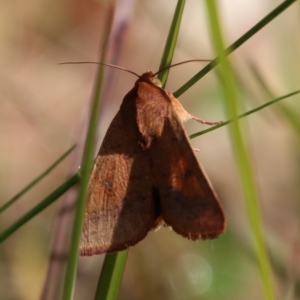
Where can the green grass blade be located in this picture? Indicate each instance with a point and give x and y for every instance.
(171, 42)
(40, 207)
(290, 114)
(35, 181)
(86, 168)
(267, 19)
(241, 155)
(111, 276)
(244, 114)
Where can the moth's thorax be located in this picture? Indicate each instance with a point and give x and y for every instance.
(147, 77)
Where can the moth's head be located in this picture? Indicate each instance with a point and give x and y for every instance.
(150, 77)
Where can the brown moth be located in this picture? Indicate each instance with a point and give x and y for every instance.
(145, 174)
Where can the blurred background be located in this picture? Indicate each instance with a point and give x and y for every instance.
(44, 108)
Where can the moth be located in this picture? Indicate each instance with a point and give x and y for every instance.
(146, 174)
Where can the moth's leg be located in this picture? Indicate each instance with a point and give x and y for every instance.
(205, 122)
(184, 115)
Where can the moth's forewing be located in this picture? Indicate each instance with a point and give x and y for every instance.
(120, 208)
(187, 201)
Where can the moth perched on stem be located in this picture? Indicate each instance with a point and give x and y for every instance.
(145, 174)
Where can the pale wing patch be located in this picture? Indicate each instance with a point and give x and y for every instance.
(120, 209)
(151, 111)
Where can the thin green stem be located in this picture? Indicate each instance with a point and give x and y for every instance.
(267, 19)
(240, 152)
(87, 163)
(171, 42)
(35, 181)
(243, 115)
(111, 276)
(40, 207)
(289, 113)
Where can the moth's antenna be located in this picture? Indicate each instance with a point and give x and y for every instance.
(181, 63)
(98, 63)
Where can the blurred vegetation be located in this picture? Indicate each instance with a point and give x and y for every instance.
(45, 108)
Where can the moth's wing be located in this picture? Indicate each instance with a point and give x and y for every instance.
(120, 208)
(187, 201)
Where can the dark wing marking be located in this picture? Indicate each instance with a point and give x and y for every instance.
(188, 202)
